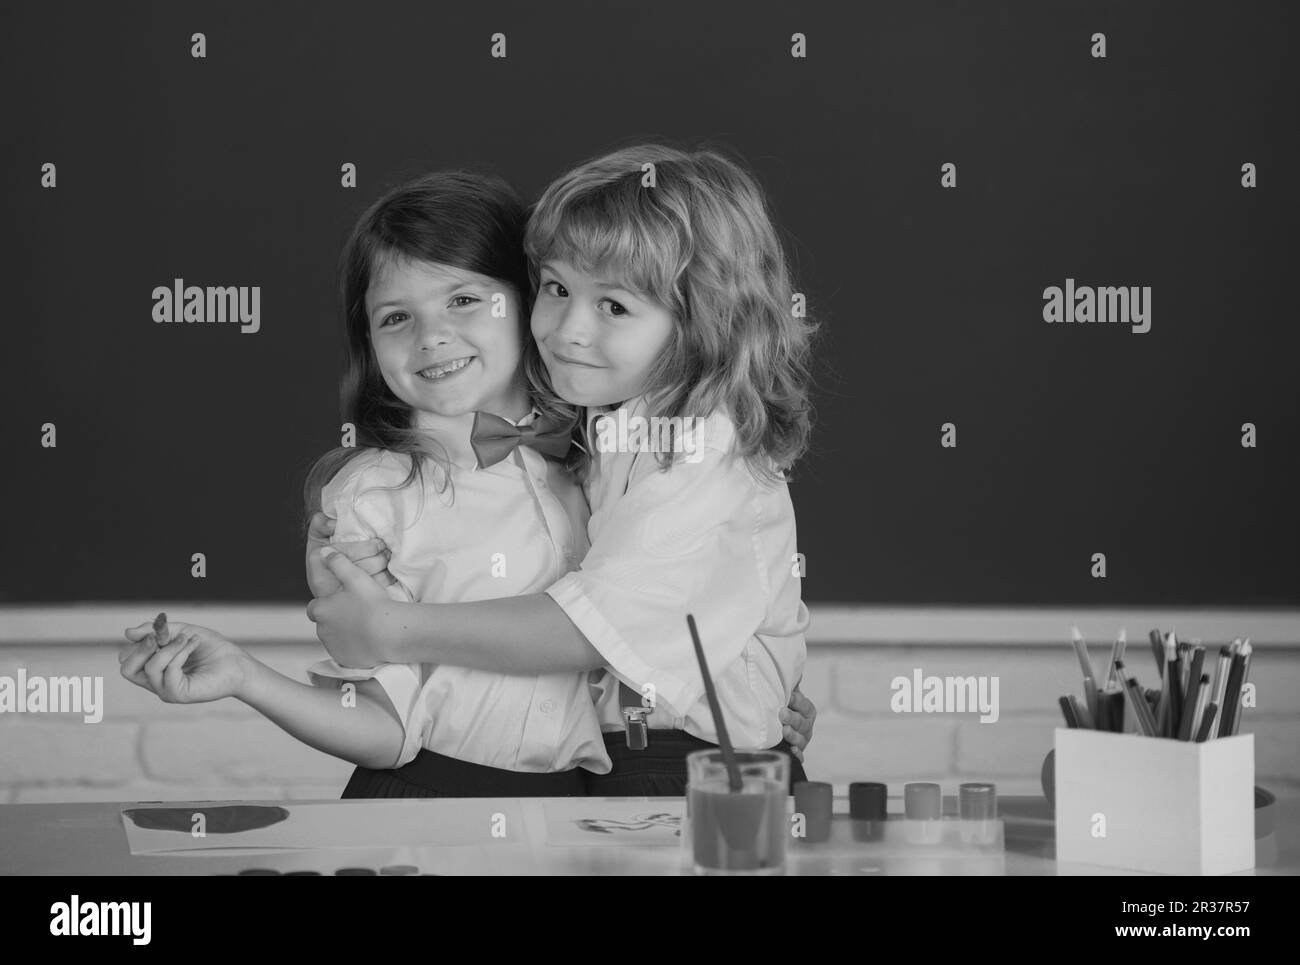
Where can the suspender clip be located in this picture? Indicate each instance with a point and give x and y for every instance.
(638, 731)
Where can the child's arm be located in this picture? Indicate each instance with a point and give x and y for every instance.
(201, 665)
(528, 635)
(686, 540)
(705, 537)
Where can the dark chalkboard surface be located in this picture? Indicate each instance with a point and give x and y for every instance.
(1072, 439)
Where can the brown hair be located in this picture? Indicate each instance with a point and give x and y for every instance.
(474, 222)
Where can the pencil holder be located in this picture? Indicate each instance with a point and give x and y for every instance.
(1154, 804)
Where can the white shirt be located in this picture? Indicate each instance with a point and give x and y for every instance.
(511, 528)
(706, 538)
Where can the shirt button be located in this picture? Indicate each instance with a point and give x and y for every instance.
(546, 706)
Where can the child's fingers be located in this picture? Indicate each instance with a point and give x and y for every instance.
(794, 719)
(793, 737)
(133, 664)
(801, 704)
(796, 742)
(174, 631)
(158, 663)
(369, 554)
(174, 675)
(321, 528)
(144, 630)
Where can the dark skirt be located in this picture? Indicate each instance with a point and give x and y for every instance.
(437, 775)
(660, 769)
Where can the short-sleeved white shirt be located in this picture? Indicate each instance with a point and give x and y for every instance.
(508, 529)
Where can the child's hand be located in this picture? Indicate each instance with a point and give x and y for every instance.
(347, 621)
(197, 665)
(798, 721)
(369, 554)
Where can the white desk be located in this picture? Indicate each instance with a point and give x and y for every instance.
(89, 839)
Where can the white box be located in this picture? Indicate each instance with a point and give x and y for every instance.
(1155, 804)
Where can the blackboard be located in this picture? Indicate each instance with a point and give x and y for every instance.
(1072, 439)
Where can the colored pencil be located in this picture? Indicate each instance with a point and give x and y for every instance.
(1082, 714)
(1231, 697)
(1116, 653)
(1137, 703)
(1206, 722)
(1198, 707)
(1085, 664)
(1067, 709)
(1246, 652)
(1194, 693)
(1157, 648)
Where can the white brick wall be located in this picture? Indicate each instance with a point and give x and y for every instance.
(859, 738)
(147, 750)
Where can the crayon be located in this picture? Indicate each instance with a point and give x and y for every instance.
(160, 632)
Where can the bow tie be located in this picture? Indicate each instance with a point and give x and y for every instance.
(493, 438)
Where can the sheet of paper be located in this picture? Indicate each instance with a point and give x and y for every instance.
(240, 826)
(593, 821)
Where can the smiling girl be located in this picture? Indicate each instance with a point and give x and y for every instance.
(458, 473)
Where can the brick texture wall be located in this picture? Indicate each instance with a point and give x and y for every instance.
(144, 749)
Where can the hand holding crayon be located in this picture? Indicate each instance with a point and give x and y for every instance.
(161, 634)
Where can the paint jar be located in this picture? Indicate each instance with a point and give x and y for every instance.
(978, 810)
(922, 813)
(867, 814)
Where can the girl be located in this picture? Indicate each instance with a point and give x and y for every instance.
(662, 293)
(452, 474)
